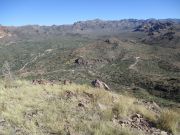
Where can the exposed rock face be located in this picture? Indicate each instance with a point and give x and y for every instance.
(51, 82)
(159, 32)
(3, 32)
(137, 121)
(98, 24)
(161, 37)
(80, 61)
(99, 84)
(154, 26)
(39, 81)
(112, 41)
(168, 35)
(66, 82)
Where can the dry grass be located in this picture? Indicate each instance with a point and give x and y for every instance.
(169, 120)
(44, 109)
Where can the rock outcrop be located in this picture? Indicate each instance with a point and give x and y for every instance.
(159, 32)
(99, 84)
(80, 61)
(4, 32)
(137, 121)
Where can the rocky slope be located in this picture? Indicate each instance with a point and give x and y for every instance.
(47, 109)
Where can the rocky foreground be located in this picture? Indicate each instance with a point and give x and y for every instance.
(44, 109)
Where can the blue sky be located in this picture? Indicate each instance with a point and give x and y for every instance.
(49, 12)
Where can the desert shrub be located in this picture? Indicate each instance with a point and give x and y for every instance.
(8, 77)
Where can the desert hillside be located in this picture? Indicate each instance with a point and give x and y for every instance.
(53, 109)
(127, 54)
(93, 77)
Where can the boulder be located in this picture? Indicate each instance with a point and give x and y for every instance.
(66, 82)
(80, 61)
(112, 41)
(99, 84)
(39, 81)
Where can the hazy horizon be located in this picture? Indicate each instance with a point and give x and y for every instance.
(54, 12)
(87, 20)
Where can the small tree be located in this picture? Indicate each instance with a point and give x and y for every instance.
(6, 72)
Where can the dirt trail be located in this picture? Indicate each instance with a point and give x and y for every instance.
(35, 58)
(133, 66)
(32, 60)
